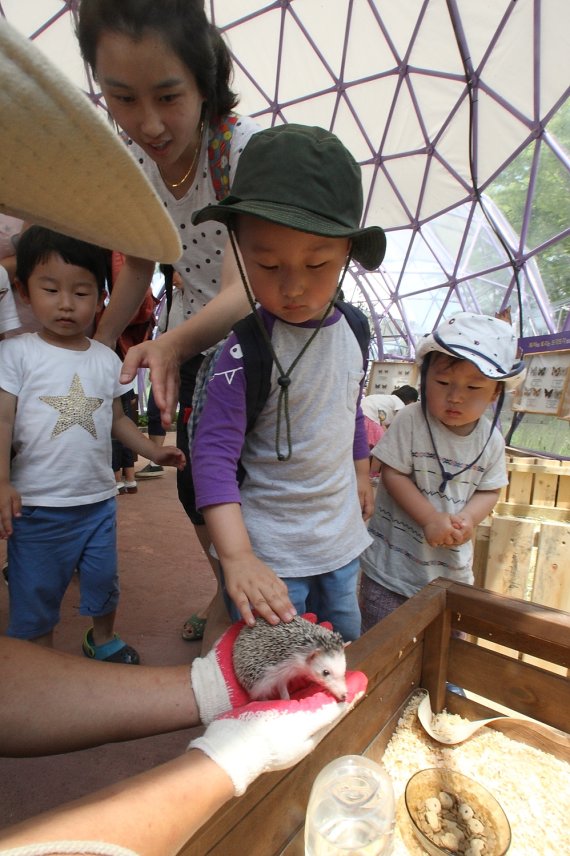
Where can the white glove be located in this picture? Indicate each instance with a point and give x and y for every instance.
(273, 735)
(214, 682)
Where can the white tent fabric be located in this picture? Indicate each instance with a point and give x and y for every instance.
(436, 99)
(389, 79)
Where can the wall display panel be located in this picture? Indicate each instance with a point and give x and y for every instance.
(545, 388)
(387, 375)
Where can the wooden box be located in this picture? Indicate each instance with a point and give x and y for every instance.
(414, 647)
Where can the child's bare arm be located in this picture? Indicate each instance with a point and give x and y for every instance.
(437, 525)
(125, 430)
(479, 506)
(365, 495)
(10, 500)
(375, 465)
(250, 583)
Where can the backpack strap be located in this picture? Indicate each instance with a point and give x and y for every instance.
(219, 144)
(359, 326)
(257, 362)
(203, 378)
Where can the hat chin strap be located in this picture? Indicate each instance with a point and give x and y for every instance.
(284, 377)
(445, 475)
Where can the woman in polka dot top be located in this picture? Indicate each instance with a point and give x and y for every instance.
(164, 71)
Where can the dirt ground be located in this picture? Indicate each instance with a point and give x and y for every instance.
(165, 576)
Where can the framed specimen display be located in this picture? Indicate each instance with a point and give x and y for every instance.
(545, 388)
(387, 375)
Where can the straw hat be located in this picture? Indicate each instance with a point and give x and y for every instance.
(63, 167)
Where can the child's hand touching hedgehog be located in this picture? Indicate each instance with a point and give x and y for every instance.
(268, 658)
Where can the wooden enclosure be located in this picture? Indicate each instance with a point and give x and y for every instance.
(521, 550)
(414, 647)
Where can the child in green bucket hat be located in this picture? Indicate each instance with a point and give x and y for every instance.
(293, 530)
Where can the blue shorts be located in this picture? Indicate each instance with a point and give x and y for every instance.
(47, 545)
(332, 597)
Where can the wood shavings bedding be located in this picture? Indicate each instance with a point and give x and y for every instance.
(532, 786)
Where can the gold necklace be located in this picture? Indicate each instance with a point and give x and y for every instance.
(175, 184)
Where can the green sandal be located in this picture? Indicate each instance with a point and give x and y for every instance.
(115, 651)
(193, 629)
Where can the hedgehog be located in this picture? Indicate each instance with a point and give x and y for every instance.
(268, 657)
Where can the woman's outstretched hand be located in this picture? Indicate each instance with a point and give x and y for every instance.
(161, 357)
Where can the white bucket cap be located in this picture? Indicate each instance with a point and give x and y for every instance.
(487, 342)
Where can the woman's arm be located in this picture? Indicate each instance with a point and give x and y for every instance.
(156, 812)
(59, 702)
(127, 295)
(165, 355)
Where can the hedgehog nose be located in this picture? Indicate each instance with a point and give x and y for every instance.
(342, 697)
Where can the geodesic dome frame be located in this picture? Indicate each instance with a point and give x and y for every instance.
(445, 103)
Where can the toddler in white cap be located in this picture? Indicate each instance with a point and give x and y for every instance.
(443, 465)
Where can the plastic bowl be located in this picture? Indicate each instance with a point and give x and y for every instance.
(476, 813)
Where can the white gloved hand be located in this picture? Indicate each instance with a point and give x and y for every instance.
(214, 682)
(273, 735)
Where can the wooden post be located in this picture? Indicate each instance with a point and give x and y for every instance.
(520, 482)
(563, 495)
(510, 555)
(552, 577)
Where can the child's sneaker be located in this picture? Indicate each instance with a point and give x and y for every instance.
(151, 471)
(130, 487)
(115, 651)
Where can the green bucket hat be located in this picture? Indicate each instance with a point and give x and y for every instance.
(303, 178)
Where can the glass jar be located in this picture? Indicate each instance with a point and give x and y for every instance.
(351, 810)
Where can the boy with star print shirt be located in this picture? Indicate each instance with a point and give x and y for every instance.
(59, 405)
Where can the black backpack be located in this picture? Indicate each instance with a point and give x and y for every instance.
(258, 362)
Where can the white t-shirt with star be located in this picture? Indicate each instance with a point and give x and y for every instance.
(62, 430)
